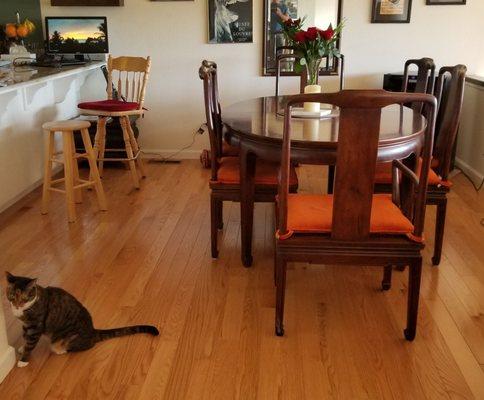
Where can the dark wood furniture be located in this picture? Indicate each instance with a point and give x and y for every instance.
(450, 94)
(255, 126)
(225, 177)
(425, 77)
(90, 3)
(423, 82)
(353, 226)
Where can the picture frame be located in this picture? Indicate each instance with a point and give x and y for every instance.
(391, 11)
(445, 2)
(272, 39)
(230, 21)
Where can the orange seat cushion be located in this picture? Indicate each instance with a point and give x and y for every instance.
(383, 174)
(266, 173)
(109, 105)
(310, 213)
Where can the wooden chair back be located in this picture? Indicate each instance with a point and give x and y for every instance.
(217, 110)
(207, 74)
(129, 75)
(425, 78)
(357, 147)
(450, 95)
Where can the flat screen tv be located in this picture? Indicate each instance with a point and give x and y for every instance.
(76, 35)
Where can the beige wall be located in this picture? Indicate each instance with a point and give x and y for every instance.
(470, 143)
(175, 35)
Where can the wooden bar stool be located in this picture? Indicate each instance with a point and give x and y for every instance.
(72, 183)
(123, 102)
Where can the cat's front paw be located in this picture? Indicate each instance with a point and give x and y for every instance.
(22, 364)
(20, 350)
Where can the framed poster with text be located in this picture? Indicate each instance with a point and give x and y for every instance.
(391, 11)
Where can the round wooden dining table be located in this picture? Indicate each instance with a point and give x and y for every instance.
(256, 127)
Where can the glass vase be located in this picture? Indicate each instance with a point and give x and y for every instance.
(312, 68)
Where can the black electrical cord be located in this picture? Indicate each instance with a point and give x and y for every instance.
(199, 131)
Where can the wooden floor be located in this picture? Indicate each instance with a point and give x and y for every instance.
(147, 260)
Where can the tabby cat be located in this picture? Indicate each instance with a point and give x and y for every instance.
(53, 312)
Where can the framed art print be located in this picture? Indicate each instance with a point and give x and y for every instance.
(445, 2)
(391, 11)
(230, 21)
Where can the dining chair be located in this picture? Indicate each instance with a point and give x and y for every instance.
(132, 77)
(425, 78)
(226, 149)
(450, 96)
(225, 170)
(353, 226)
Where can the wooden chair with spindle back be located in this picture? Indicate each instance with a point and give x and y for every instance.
(130, 76)
(450, 96)
(225, 170)
(353, 226)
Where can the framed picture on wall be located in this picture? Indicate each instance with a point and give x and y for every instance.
(391, 11)
(230, 21)
(445, 2)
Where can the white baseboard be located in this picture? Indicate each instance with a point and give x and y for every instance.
(475, 175)
(27, 190)
(7, 362)
(189, 154)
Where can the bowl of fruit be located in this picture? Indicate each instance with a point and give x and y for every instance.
(15, 33)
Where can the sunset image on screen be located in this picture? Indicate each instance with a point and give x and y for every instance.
(77, 35)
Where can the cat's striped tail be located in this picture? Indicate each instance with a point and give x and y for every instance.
(105, 334)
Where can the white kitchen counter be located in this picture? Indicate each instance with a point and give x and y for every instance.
(31, 98)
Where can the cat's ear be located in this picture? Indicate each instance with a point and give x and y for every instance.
(10, 277)
(31, 284)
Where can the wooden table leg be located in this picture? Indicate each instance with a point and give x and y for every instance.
(247, 190)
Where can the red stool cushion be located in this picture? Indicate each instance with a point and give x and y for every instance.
(109, 105)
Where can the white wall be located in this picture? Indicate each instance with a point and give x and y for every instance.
(470, 143)
(175, 35)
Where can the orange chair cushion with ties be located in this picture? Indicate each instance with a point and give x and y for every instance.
(109, 105)
(310, 213)
(266, 173)
(383, 174)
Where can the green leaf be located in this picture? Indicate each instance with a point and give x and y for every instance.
(302, 61)
(298, 68)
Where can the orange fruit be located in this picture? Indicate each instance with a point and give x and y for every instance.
(22, 30)
(11, 30)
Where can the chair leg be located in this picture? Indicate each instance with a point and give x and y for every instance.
(129, 151)
(214, 213)
(93, 170)
(135, 146)
(386, 283)
(69, 175)
(414, 274)
(100, 143)
(49, 153)
(220, 215)
(439, 231)
(280, 267)
(331, 171)
(75, 171)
